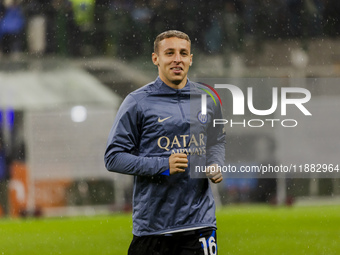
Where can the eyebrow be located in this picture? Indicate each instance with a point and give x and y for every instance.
(182, 49)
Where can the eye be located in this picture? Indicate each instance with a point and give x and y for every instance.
(169, 53)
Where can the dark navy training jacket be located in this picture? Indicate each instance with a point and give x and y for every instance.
(153, 122)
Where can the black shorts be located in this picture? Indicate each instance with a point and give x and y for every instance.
(199, 242)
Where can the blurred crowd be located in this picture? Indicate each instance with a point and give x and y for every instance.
(127, 28)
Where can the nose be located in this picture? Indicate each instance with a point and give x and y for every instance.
(178, 57)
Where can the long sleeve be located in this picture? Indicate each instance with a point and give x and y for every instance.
(216, 141)
(121, 154)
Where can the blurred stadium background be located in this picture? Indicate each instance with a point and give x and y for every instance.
(66, 65)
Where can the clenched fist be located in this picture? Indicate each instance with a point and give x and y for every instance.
(178, 162)
(214, 173)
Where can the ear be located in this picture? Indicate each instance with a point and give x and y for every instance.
(191, 59)
(154, 59)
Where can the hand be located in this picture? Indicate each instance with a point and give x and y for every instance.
(177, 163)
(214, 173)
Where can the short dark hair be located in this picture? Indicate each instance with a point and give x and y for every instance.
(169, 34)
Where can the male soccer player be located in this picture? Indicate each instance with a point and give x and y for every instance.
(158, 135)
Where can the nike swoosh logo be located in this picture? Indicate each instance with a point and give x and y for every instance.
(161, 120)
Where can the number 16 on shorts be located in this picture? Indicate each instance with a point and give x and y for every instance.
(209, 246)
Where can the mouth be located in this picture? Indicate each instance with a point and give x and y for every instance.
(176, 69)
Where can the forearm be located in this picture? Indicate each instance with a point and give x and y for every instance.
(216, 154)
(127, 163)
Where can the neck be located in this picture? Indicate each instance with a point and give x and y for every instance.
(174, 85)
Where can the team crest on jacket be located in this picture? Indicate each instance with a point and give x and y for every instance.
(202, 118)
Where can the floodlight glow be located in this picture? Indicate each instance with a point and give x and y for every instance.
(78, 113)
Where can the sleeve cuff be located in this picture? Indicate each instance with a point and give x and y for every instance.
(166, 172)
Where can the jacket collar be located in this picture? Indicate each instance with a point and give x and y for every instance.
(162, 88)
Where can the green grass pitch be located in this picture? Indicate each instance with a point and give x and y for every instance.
(242, 229)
